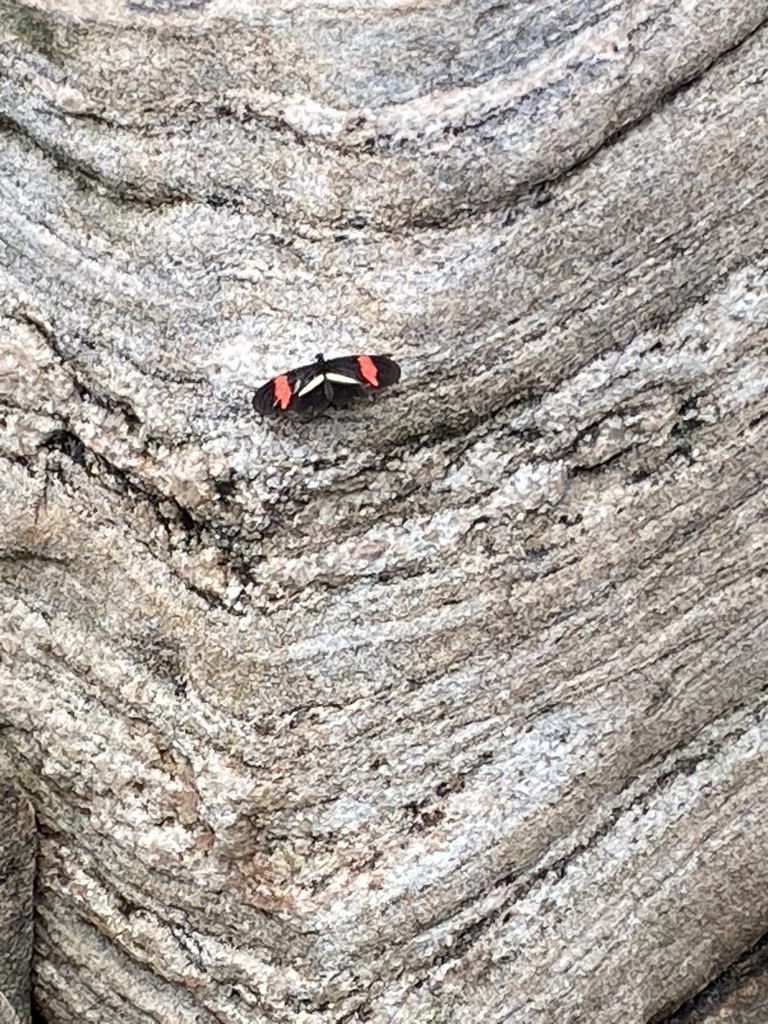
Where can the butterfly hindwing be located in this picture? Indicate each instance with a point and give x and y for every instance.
(310, 389)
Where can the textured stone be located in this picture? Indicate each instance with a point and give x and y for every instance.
(446, 708)
(17, 873)
(739, 996)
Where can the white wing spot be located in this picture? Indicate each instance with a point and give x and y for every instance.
(315, 382)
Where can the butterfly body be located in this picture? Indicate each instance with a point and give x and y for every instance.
(326, 383)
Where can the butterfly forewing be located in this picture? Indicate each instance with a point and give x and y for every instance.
(387, 370)
(279, 394)
(264, 400)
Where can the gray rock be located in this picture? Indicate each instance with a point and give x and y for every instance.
(17, 873)
(445, 708)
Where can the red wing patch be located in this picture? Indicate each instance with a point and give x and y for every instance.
(282, 391)
(366, 368)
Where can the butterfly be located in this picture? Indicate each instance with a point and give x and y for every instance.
(326, 383)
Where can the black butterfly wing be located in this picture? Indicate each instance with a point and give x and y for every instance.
(264, 401)
(387, 370)
(282, 393)
(353, 377)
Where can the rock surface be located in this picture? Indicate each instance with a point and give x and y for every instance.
(449, 707)
(17, 874)
(738, 996)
